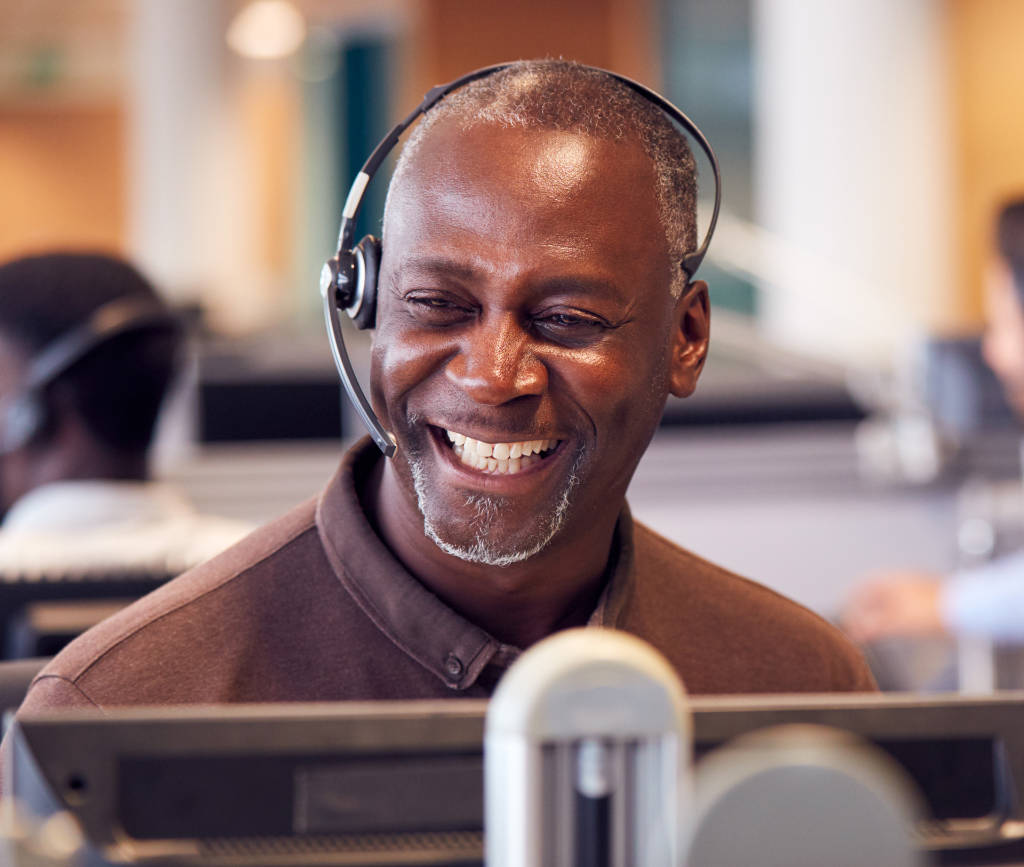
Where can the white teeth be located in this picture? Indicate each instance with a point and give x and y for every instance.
(497, 458)
(479, 448)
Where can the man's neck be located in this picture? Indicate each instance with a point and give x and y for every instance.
(518, 604)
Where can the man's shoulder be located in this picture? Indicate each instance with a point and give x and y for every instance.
(673, 569)
(748, 637)
(198, 601)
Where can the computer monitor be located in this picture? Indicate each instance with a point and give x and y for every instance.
(964, 753)
(383, 783)
(393, 783)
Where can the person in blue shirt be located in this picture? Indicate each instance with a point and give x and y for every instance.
(987, 601)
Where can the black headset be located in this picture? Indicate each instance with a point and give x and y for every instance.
(27, 416)
(349, 280)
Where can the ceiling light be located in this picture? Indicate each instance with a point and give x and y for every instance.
(267, 29)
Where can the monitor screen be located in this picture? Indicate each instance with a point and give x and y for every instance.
(401, 782)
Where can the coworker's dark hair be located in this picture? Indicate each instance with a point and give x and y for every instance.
(562, 95)
(118, 387)
(1010, 240)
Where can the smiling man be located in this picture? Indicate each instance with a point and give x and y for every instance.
(527, 339)
(532, 319)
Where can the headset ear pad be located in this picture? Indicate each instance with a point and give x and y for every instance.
(367, 253)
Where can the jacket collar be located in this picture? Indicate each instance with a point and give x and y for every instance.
(443, 641)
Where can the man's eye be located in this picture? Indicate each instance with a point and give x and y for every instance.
(572, 325)
(435, 308)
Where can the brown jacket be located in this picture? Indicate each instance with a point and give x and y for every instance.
(313, 607)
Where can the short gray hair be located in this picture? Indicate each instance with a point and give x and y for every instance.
(566, 96)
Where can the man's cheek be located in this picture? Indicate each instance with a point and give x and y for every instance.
(617, 388)
(409, 358)
(391, 358)
(404, 365)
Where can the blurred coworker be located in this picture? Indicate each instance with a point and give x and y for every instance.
(88, 352)
(989, 600)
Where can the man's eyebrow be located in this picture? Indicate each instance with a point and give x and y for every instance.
(438, 266)
(460, 270)
(587, 283)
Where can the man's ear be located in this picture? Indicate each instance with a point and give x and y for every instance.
(691, 329)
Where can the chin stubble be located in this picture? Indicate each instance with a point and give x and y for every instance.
(486, 510)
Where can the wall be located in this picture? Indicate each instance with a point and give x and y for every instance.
(61, 177)
(986, 39)
(456, 36)
(853, 174)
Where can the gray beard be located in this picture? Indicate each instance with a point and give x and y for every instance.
(487, 508)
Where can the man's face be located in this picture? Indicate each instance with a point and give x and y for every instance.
(1003, 343)
(524, 305)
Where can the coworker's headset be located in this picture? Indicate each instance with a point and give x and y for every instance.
(27, 416)
(349, 281)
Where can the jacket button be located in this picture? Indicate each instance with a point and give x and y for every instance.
(453, 665)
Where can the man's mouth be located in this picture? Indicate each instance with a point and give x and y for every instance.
(499, 458)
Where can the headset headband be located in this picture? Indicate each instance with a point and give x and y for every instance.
(354, 201)
(107, 322)
(343, 278)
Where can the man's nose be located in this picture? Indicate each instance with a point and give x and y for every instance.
(497, 363)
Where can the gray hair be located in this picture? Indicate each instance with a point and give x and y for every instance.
(565, 96)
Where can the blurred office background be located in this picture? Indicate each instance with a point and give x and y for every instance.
(845, 421)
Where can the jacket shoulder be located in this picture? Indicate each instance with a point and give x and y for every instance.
(749, 637)
(178, 598)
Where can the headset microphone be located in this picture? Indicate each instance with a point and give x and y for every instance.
(349, 280)
(334, 287)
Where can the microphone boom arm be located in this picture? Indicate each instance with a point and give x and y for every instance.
(385, 442)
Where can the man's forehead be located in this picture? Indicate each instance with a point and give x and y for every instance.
(525, 166)
(559, 205)
(551, 155)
